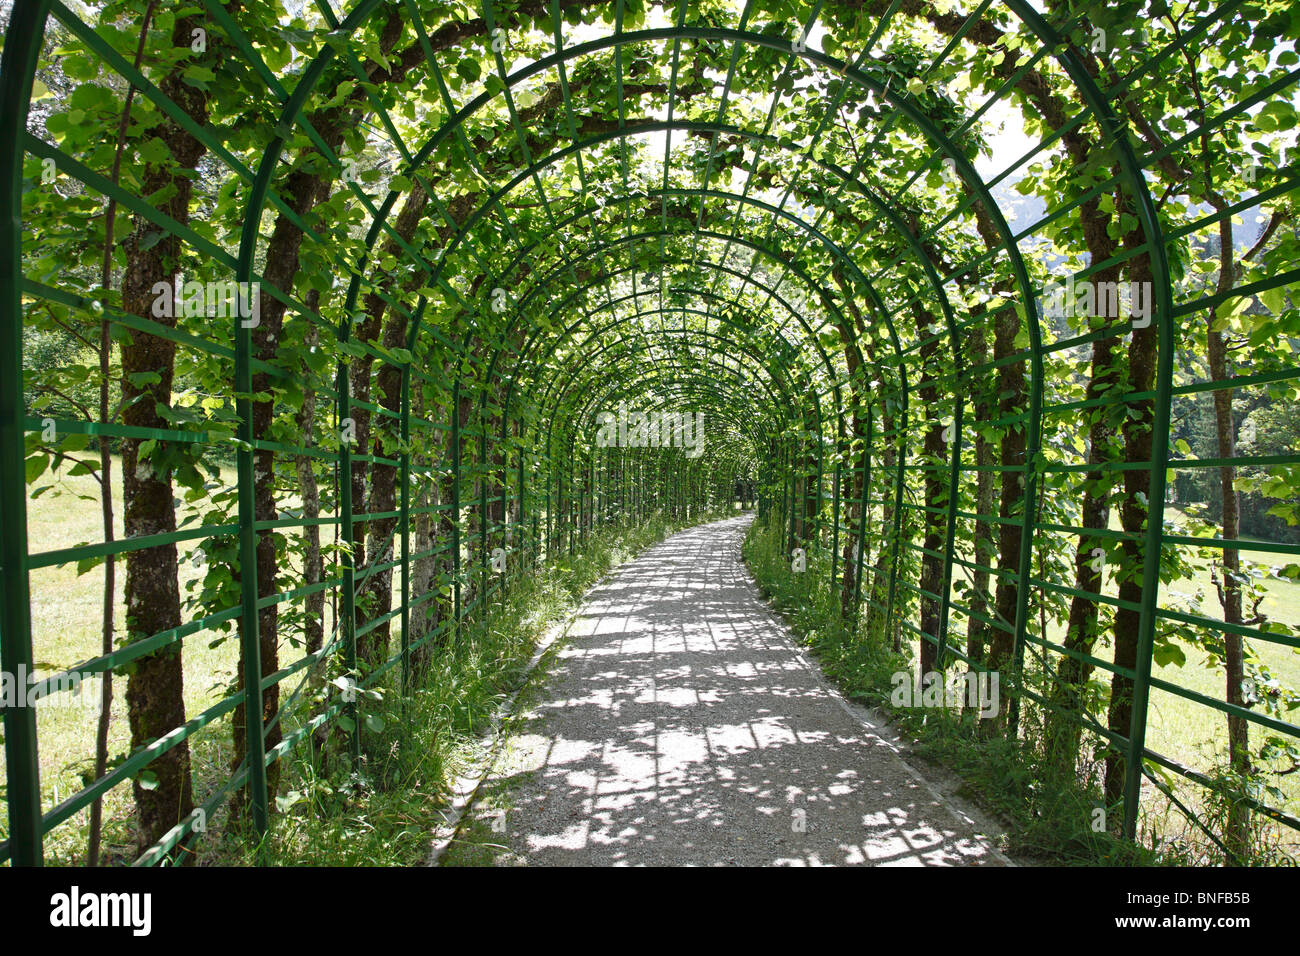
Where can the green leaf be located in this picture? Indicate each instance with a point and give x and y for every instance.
(77, 441)
(36, 466)
(1167, 652)
(469, 69)
(78, 68)
(1274, 300)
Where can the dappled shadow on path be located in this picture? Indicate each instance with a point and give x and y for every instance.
(679, 726)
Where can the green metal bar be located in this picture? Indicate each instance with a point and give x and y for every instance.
(861, 559)
(1163, 319)
(484, 577)
(249, 624)
(23, 794)
(835, 527)
(404, 521)
(458, 610)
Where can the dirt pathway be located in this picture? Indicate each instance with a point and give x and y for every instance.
(679, 724)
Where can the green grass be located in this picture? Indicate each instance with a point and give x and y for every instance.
(1195, 734)
(480, 838)
(357, 817)
(66, 622)
(384, 812)
(1189, 732)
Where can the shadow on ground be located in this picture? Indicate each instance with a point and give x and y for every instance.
(678, 725)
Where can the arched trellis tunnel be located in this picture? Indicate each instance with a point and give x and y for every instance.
(346, 295)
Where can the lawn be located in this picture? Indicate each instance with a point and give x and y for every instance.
(1187, 731)
(67, 612)
(1193, 733)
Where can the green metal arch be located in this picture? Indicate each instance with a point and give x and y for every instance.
(760, 378)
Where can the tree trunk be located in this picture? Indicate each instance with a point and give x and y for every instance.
(155, 692)
(103, 724)
(985, 546)
(1064, 729)
(1012, 393)
(1134, 512)
(313, 562)
(934, 456)
(1237, 833)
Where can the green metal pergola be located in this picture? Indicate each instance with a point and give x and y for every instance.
(664, 235)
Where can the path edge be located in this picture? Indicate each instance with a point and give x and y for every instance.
(877, 725)
(465, 789)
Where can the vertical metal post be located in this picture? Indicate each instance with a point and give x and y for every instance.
(404, 519)
(23, 793)
(835, 525)
(900, 435)
(787, 489)
(677, 491)
(455, 500)
(348, 585)
(950, 532)
(523, 504)
(861, 558)
(249, 625)
(485, 578)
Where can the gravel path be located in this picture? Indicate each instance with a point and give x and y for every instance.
(679, 724)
